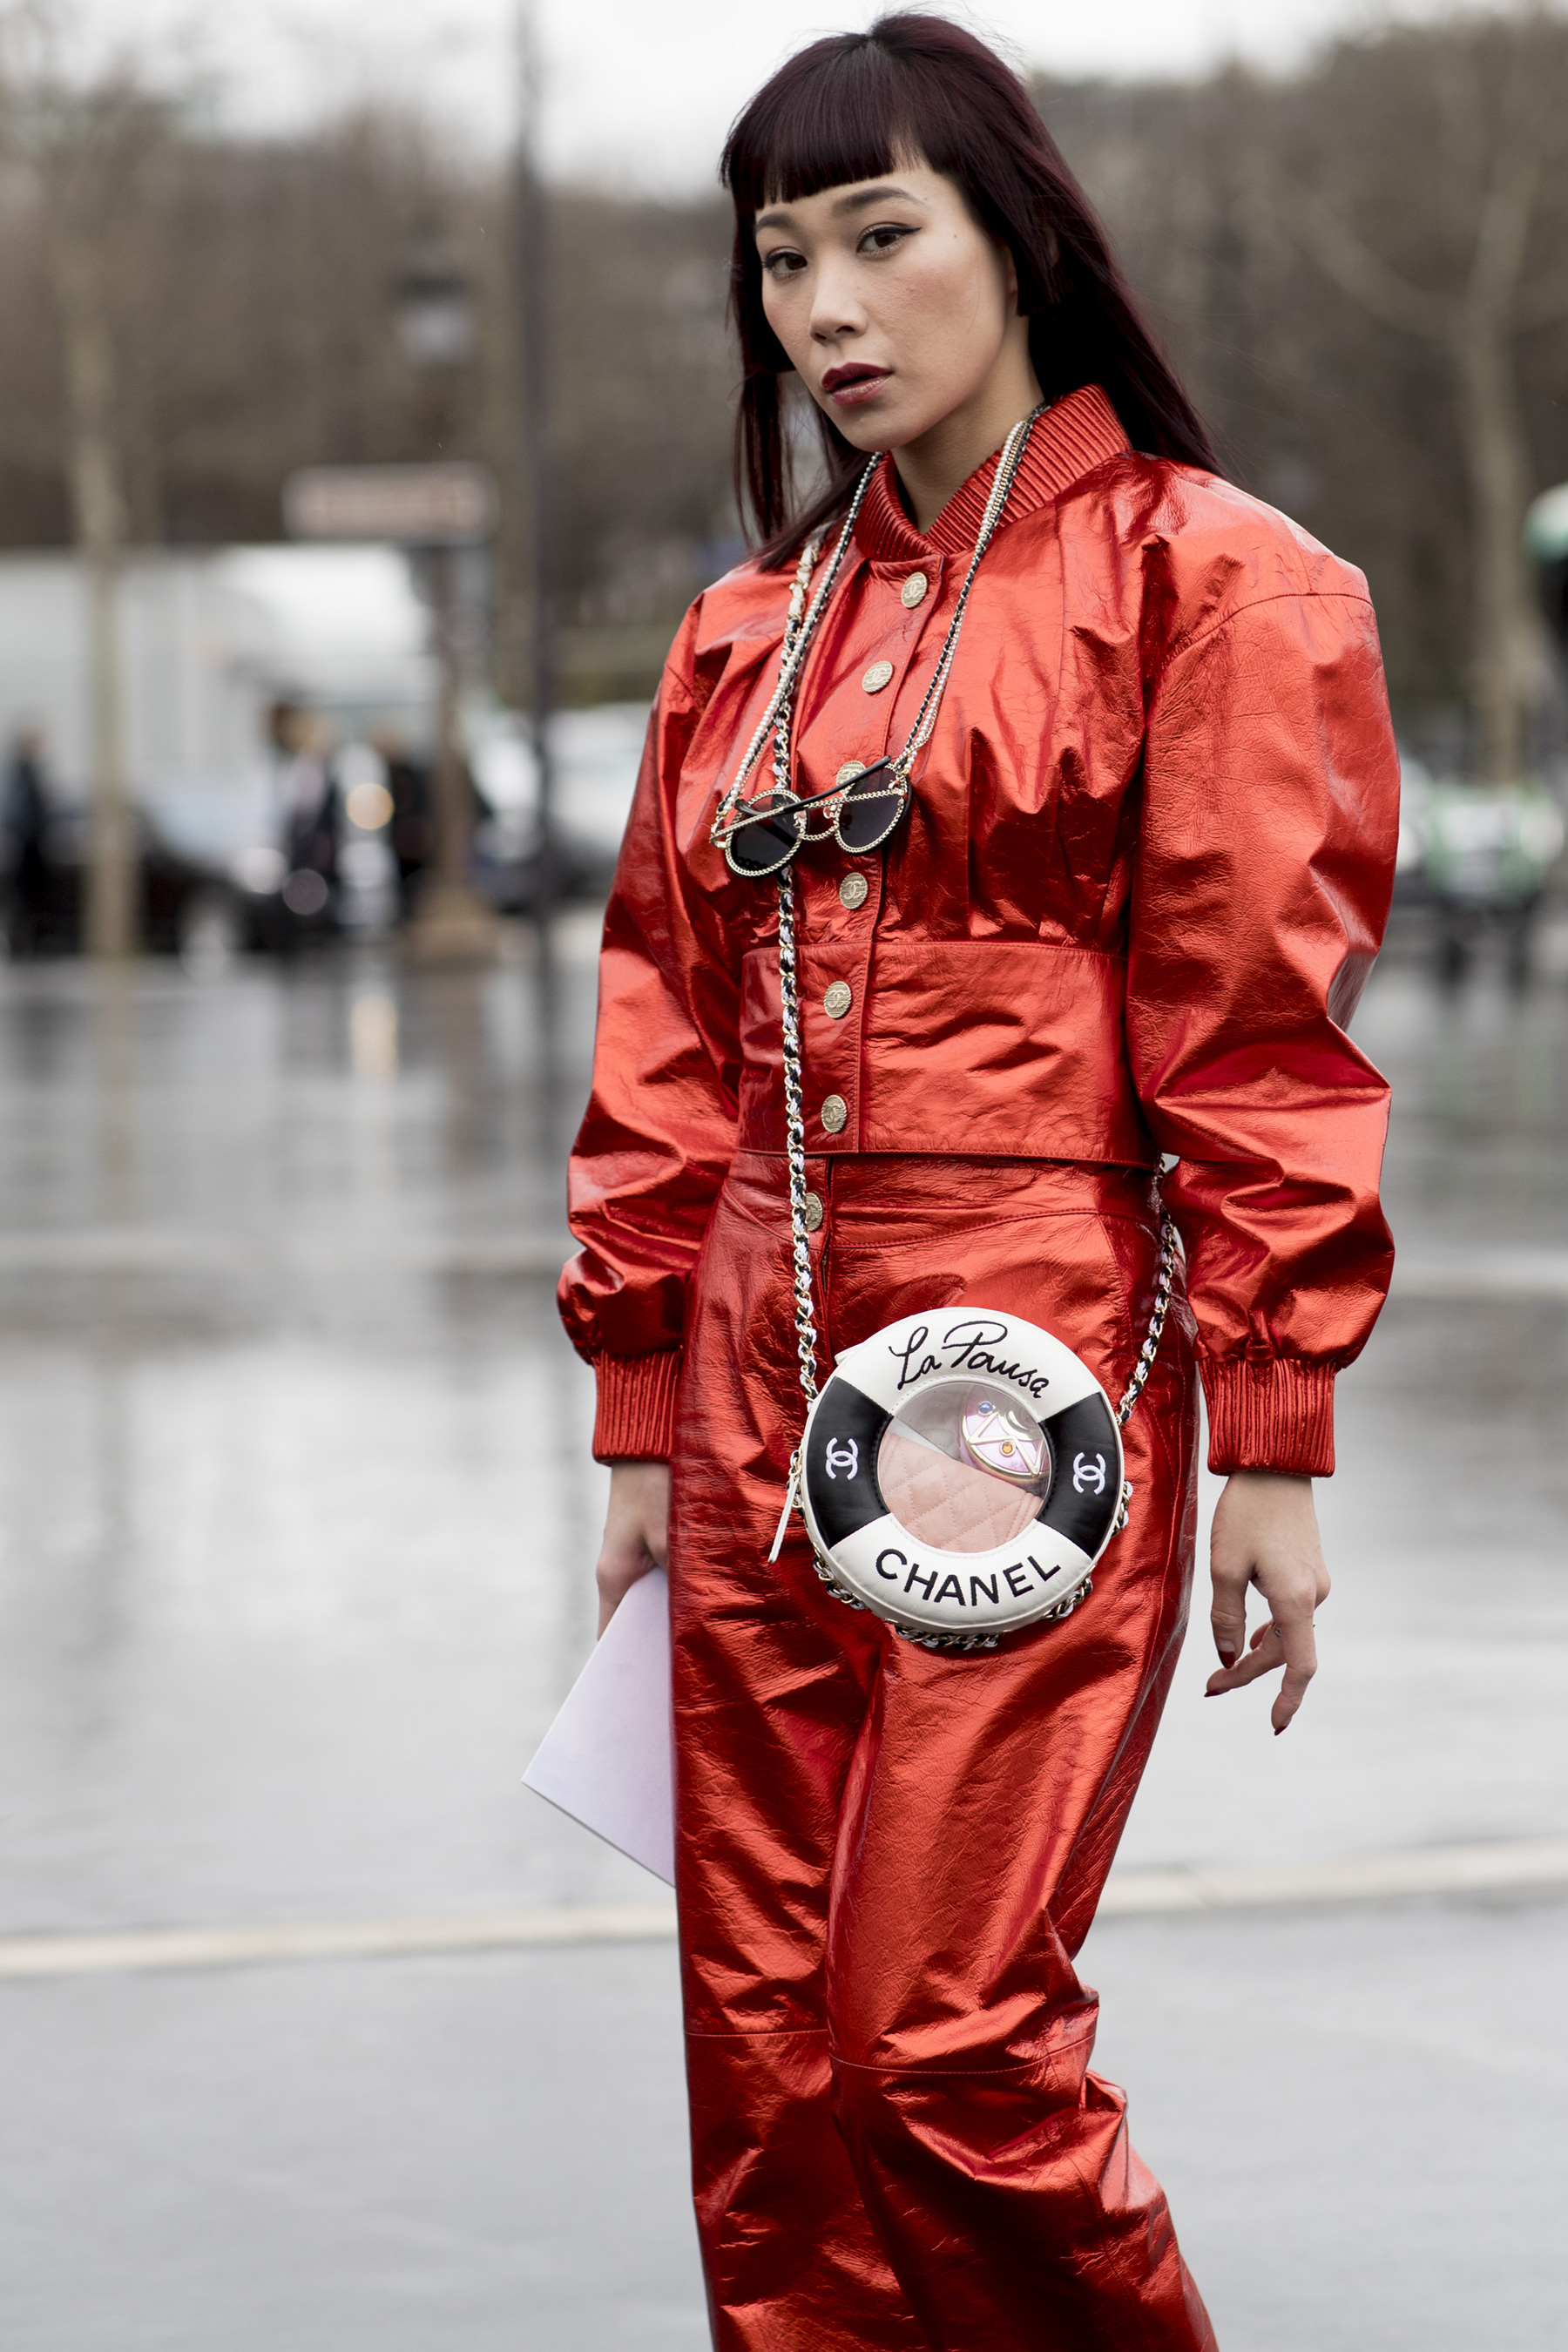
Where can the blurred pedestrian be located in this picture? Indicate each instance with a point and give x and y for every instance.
(1125, 903)
(26, 822)
(309, 812)
(413, 826)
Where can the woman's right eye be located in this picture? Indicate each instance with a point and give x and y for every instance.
(783, 262)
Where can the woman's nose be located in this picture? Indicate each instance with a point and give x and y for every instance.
(835, 307)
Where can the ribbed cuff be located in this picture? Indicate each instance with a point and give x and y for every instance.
(1273, 1415)
(636, 1419)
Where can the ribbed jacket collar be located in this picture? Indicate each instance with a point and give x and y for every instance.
(1070, 440)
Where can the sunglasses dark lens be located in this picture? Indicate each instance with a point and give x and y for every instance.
(764, 843)
(871, 810)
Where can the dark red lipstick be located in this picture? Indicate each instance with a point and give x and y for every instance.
(854, 381)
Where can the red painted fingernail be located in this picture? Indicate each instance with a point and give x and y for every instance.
(1280, 1728)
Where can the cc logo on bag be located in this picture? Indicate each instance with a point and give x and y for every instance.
(1089, 1476)
(961, 1474)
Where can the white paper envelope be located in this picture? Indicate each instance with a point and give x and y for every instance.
(607, 1759)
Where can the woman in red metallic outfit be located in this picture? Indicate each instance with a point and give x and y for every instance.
(1143, 875)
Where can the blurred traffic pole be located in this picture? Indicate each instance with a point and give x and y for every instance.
(99, 506)
(451, 922)
(435, 512)
(533, 309)
(91, 148)
(438, 326)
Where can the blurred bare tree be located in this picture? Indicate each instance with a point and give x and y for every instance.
(83, 156)
(253, 333)
(1364, 269)
(1438, 209)
(641, 422)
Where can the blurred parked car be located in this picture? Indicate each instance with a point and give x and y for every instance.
(216, 882)
(1480, 856)
(508, 865)
(202, 897)
(596, 755)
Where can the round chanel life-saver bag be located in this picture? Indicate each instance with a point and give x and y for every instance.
(961, 1474)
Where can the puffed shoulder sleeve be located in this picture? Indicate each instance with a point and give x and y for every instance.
(1265, 868)
(659, 1131)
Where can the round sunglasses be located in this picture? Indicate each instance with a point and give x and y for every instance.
(763, 834)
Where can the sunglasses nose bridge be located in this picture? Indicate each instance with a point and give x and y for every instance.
(877, 798)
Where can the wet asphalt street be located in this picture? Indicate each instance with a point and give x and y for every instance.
(296, 1522)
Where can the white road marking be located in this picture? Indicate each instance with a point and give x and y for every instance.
(116, 1951)
(1457, 1274)
(1537, 1865)
(1485, 1274)
(153, 1250)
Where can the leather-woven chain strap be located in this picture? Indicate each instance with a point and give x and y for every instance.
(795, 1146)
(805, 1310)
(789, 1020)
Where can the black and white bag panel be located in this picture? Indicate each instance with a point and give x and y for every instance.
(954, 1593)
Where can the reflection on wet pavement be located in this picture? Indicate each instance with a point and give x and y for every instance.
(292, 1457)
(299, 1514)
(1436, 1714)
(297, 1517)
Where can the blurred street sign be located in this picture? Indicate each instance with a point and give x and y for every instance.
(419, 506)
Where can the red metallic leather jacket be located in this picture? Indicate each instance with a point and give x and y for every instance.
(1143, 881)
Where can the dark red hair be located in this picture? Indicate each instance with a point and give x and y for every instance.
(846, 108)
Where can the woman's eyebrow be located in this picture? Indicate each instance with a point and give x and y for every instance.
(856, 202)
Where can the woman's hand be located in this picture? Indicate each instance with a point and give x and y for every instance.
(1266, 1533)
(637, 1531)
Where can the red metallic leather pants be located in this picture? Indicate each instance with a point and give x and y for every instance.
(887, 1858)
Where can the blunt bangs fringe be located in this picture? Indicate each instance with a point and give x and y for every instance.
(849, 108)
(789, 144)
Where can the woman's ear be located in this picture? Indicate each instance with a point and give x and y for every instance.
(1010, 268)
(1049, 283)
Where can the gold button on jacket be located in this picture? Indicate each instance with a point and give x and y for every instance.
(835, 1114)
(854, 891)
(876, 676)
(913, 590)
(839, 999)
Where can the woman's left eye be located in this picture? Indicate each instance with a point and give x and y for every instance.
(884, 239)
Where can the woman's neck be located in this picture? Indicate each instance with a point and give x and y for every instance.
(934, 468)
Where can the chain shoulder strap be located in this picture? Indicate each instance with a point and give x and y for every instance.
(798, 629)
(800, 1246)
(1164, 1281)
(794, 1143)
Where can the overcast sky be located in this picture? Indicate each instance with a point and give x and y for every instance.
(639, 92)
